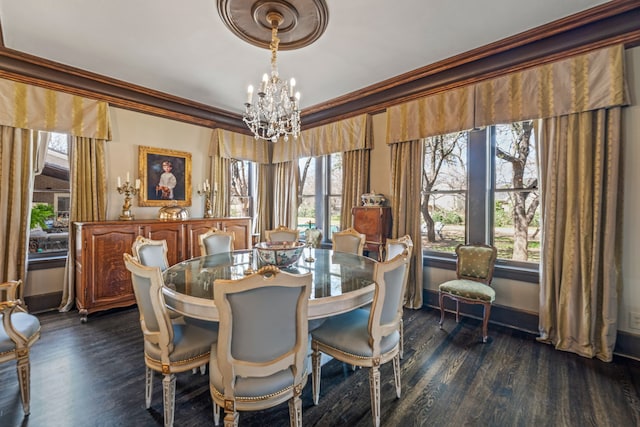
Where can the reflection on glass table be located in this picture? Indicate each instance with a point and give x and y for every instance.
(341, 281)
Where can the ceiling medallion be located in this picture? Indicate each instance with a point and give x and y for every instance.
(303, 21)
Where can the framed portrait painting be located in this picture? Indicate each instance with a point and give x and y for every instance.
(165, 177)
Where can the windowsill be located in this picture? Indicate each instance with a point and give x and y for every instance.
(529, 274)
(44, 261)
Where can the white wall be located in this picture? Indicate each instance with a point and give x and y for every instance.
(131, 130)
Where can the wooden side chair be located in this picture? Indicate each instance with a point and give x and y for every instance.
(259, 360)
(367, 338)
(169, 347)
(151, 253)
(282, 234)
(216, 241)
(474, 271)
(349, 240)
(19, 331)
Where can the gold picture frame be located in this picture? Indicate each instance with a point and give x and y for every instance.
(165, 177)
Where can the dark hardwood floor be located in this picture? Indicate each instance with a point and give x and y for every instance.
(93, 375)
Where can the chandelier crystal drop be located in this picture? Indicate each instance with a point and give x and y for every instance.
(275, 112)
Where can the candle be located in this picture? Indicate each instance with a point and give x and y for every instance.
(215, 186)
(198, 188)
(263, 86)
(138, 184)
(128, 178)
(119, 182)
(249, 94)
(292, 84)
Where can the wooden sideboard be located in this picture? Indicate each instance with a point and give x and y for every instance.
(375, 223)
(101, 278)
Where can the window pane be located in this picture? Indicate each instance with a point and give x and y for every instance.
(334, 214)
(335, 184)
(241, 197)
(517, 203)
(444, 184)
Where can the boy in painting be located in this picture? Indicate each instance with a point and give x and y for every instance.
(167, 182)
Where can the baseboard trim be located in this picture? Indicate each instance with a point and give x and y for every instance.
(43, 302)
(627, 345)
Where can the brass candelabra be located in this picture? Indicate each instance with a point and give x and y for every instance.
(208, 195)
(129, 191)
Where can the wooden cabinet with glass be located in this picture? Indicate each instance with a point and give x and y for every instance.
(375, 223)
(101, 280)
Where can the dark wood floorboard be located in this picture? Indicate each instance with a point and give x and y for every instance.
(93, 375)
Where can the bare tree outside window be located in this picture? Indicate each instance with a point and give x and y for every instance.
(240, 188)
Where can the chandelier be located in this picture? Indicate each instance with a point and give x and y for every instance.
(275, 112)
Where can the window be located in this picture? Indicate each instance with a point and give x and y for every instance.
(49, 234)
(320, 193)
(241, 197)
(482, 186)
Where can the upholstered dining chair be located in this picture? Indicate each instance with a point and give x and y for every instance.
(18, 333)
(349, 240)
(282, 234)
(474, 271)
(259, 359)
(367, 338)
(151, 253)
(216, 241)
(393, 248)
(169, 347)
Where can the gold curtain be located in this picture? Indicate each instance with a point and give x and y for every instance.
(17, 147)
(349, 134)
(220, 179)
(33, 107)
(406, 182)
(437, 114)
(233, 145)
(579, 287)
(581, 83)
(87, 170)
(264, 202)
(285, 194)
(355, 182)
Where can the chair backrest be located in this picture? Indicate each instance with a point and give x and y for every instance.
(386, 310)
(313, 236)
(151, 253)
(257, 338)
(282, 234)
(349, 240)
(154, 316)
(476, 262)
(394, 247)
(216, 241)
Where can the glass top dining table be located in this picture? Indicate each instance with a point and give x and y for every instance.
(341, 281)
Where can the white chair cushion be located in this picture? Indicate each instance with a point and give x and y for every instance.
(26, 324)
(349, 333)
(189, 342)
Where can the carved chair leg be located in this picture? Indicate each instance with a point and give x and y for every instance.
(396, 375)
(168, 398)
(148, 386)
(315, 374)
(216, 414)
(230, 418)
(401, 339)
(441, 309)
(295, 411)
(485, 322)
(457, 311)
(24, 378)
(374, 386)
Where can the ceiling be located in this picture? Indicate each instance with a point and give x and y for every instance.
(185, 50)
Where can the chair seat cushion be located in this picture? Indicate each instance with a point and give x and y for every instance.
(189, 342)
(252, 388)
(349, 333)
(469, 289)
(25, 323)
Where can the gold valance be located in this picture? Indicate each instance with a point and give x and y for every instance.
(31, 107)
(233, 145)
(581, 83)
(337, 137)
(431, 115)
